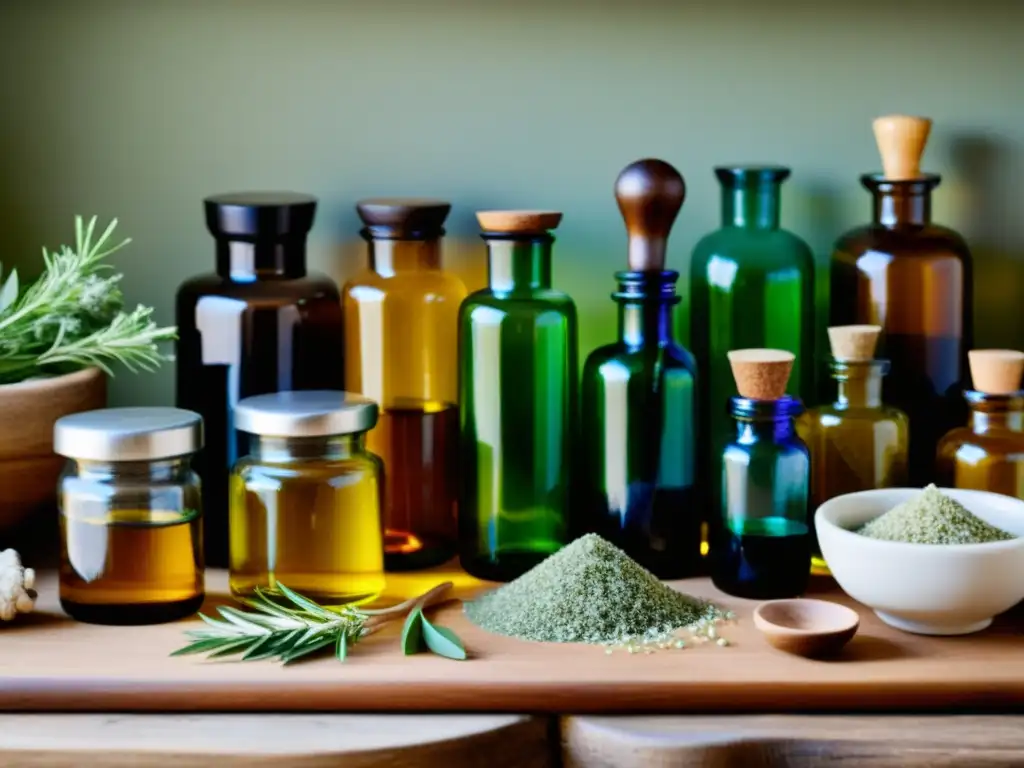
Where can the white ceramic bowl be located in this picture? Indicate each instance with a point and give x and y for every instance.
(930, 589)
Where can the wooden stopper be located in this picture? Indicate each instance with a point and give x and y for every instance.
(518, 222)
(854, 343)
(901, 141)
(996, 371)
(650, 194)
(761, 374)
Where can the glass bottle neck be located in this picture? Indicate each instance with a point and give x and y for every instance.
(246, 261)
(751, 204)
(758, 420)
(283, 449)
(859, 384)
(518, 264)
(901, 203)
(161, 470)
(645, 322)
(991, 412)
(389, 257)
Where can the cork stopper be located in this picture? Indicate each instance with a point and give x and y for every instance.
(650, 194)
(901, 141)
(518, 222)
(996, 371)
(854, 343)
(761, 374)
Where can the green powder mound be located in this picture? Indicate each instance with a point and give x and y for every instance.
(931, 517)
(589, 592)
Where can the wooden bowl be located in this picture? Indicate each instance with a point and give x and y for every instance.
(806, 627)
(29, 469)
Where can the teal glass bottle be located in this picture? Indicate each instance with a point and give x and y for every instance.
(517, 402)
(761, 540)
(751, 285)
(638, 398)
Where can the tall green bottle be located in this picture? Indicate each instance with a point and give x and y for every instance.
(517, 403)
(638, 397)
(751, 286)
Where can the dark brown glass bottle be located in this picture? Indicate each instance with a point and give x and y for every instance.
(260, 324)
(914, 279)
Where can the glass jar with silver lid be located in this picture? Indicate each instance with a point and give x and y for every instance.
(305, 505)
(130, 515)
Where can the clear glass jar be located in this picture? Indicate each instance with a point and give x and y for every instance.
(761, 544)
(305, 504)
(130, 515)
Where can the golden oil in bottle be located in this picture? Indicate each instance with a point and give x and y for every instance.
(140, 565)
(130, 515)
(305, 506)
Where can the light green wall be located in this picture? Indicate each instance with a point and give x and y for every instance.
(139, 109)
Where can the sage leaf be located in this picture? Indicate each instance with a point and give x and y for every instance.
(443, 641)
(9, 293)
(412, 632)
(341, 649)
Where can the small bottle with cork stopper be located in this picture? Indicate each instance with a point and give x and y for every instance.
(988, 454)
(761, 540)
(638, 397)
(857, 442)
(517, 402)
(401, 331)
(914, 279)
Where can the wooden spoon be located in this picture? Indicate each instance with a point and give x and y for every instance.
(806, 627)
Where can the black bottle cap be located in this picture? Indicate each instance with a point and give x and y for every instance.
(403, 218)
(260, 215)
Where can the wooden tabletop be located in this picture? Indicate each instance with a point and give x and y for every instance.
(52, 663)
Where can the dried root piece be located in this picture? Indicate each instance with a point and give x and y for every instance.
(17, 593)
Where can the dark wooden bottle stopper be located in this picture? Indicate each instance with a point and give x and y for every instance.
(650, 194)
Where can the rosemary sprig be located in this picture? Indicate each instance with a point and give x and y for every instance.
(272, 630)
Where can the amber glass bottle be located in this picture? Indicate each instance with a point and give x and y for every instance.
(401, 332)
(914, 279)
(856, 442)
(988, 454)
(260, 324)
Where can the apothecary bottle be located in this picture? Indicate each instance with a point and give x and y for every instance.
(914, 279)
(130, 515)
(751, 285)
(262, 323)
(517, 403)
(857, 443)
(761, 540)
(638, 398)
(401, 330)
(988, 453)
(305, 504)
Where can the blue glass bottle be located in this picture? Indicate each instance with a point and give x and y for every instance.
(638, 397)
(761, 543)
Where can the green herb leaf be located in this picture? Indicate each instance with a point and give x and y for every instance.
(412, 632)
(199, 646)
(309, 648)
(341, 649)
(9, 293)
(306, 604)
(443, 641)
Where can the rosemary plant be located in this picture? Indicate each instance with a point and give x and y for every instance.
(73, 317)
(272, 630)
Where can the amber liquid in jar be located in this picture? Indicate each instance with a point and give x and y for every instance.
(131, 566)
(987, 454)
(420, 482)
(308, 517)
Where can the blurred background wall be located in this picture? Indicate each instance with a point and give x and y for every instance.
(138, 109)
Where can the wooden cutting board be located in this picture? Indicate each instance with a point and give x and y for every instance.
(48, 662)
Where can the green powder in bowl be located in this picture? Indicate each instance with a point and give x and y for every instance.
(589, 592)
(931, 517)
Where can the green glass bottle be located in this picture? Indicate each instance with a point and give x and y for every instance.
(751, 285)
(517, 406)
(638, 397)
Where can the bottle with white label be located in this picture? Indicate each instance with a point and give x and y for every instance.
(261, 323)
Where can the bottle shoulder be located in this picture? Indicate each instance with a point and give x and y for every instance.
(311, 287)
(751, 249)
(992, 442)
(669, 357)
(525, 302)
(830, 416)
(422, 286)
(929, 241)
